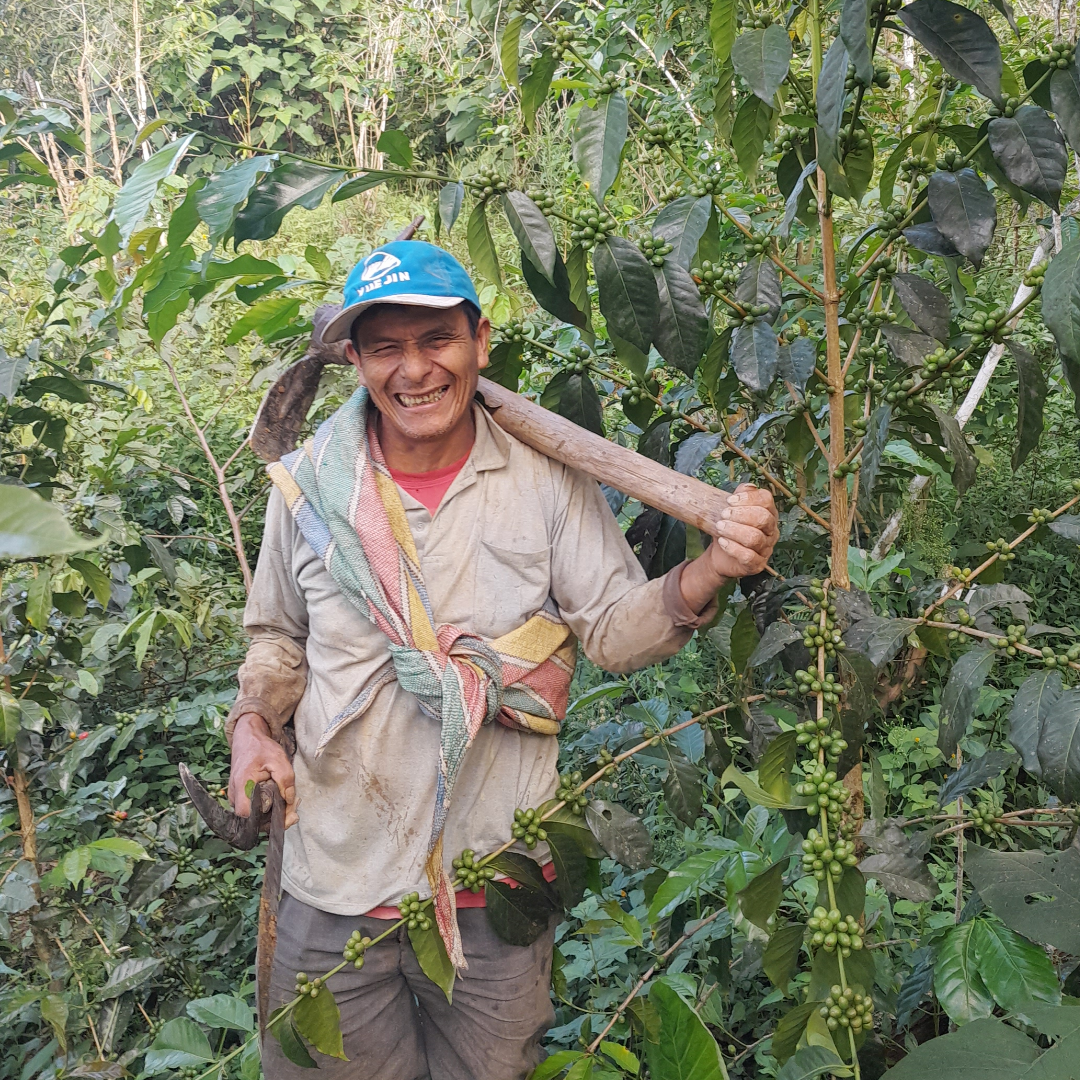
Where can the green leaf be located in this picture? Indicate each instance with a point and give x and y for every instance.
(571, 861)
(220, 199)
(627, 288)
(556, 1064)
(755, 355)
(598, 139)
(755, 792)
(694, 875)
(831, 96)
(1031, 152)
(722, 22)
(317, 260)
(223, 1011)
(682, 223)
(684, 1049)
(510, 47)
(964, 463)
(134, 198)
(505, 364)
(760, 899)
(959, 986)
(1059, 746)
(518, 915)
(129, 974)
(1065, 100)
(268, 315)
(974, 773)
(960, 695)
(925, 304)
(620, 833)
(855, 33)
(451, 196)
(752, 125)
(622, 1057)
(10, 718)
(12, 371)
(961, 40)
(431, 956)
(534, 87)
(777, 637)
(780, 959)
(759, 283)
(810, 1062)
(481, 246)
(395, 145)
(75, 864)
(790, 1028)
(359, 184)
(1031, 706)
(96, 579)
(576, 399)
(1061, 300)
(892, 166)
(180, 1044)
(682, 787)
(532, 231)
(744, 639)
(774, 768)
(683, 327)
(798, 198)
(39, 599)
(983, 1050)
(292, 1046)
(297, 183)
(1016, 972)
(873, 451)
(1031, 396)
(762, 58)
(554, 298)
(32, 528)
(964, 211)
(1034, 893)
(796, 361)
(318, 1020)
(54, 1011)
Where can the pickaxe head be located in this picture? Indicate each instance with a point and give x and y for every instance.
(238, 832)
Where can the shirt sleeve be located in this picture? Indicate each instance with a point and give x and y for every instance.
(623, 620)
(273, 675)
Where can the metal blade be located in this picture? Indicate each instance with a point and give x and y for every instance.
(238, 832)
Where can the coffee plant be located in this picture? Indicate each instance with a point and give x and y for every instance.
(770, 245)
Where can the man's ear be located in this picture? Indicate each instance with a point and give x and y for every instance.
(483, 341)
(354, 358)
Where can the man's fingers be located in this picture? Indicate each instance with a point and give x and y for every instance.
(746, 536)
(281, 772)
(747, 560)
(238, 795)
(757, 517)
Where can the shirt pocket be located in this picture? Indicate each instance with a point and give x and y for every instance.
(512, 584)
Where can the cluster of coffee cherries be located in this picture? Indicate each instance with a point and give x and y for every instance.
(821, 784)
(528, 828)
(755, 22)
(184, 858)
(545, 201)
(1008, 109)
(904, 389)
(1060, 660)
(880, 8)
(568, 793)
(641, 390)
(1040, 517)
(883, 266)
(889, 222)
(656, 133)
(994, 325)
(750, 314)
(1015, 634)
(591, 227)
(944, 82)
(516, 331)
(861, 385)
(940, 361)
(821, 858)
(1035, 277)
(815, 735)
(854, 139)
(190, 1072)
(984, 817)
(468, 872)
(565, 41)
(355, 947)
(230, 894)
(787, 138)
(809, 684)
(194, 988)
(881, 78)
(610, 83)
(951, 161)
(847, 1009)
(1060, 55)
(306, 987)
(916, 165)
(1001, 548)
(486, 184)
(412, 911)
(654, 248)
(813, 636)
(873, 320)
(604, 756)
(834, 931)
(582, 359)
(714, 277)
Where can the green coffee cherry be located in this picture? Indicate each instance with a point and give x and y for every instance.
(528, 828)
(847, 1009)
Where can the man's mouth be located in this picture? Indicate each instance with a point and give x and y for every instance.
(413, 401)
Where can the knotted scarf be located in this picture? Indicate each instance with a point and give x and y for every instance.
(347, 507)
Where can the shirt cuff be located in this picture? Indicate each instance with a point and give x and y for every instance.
(260, 706)
(675, 605)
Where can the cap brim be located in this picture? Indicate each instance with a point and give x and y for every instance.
(340, 326)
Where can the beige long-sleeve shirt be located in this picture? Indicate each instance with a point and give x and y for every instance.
(514, 528)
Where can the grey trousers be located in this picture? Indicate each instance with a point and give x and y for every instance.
(396, 1023)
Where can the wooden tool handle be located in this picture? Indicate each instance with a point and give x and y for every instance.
(635, 475)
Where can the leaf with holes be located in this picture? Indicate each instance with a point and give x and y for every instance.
(299, 183)
(682, 327)
(1031, 152)
(961, 40)
(762, 58)
(532, 231)
(1033, 389)
(682, 223)
(627, 288)
(621, 834)
(481, 246)
(959, 986)
(1016, 972)
(598, 140)
(959, 696)
(926, 305)
(752, 124)
(964, 211)
(755, 355)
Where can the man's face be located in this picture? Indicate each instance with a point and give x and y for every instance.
(420, 366)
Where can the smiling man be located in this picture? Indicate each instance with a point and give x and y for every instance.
(422, 587)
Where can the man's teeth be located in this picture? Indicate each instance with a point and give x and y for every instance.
(411, 401)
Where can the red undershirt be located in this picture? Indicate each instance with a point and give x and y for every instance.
(428, 489)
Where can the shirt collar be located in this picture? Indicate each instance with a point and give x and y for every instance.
(492, 447)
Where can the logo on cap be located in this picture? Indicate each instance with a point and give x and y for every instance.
(378, 264)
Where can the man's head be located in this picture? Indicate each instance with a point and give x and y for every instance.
(416, 336)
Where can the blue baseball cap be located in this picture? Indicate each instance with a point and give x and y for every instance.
(411, 272)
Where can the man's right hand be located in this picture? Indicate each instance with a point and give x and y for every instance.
(257, 757)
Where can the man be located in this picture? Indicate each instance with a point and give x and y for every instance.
(423, 580)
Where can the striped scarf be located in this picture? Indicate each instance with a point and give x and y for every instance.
(345, 503)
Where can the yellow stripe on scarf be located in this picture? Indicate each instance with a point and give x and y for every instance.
(534, 641)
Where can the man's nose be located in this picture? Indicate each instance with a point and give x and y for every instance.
(415, 366)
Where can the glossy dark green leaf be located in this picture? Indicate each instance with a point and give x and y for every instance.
(395, 145)
(778, 635)
(825, 972)
(1065, 100)
(682, 328)
(598, 140)
(752, 125)
(797, 197)
(580, 402)
(1032, 892)
(684, 1048)
(780, 960)
(554, 298)
(431, 956)
(691, 876)
(762, 59)
(219, 200)
(961, 40)
(1016, 972)
(907, 345)
(518, 915)
(964, 461)
(926, 305)
(621, 834)
(810, 1062)
(722, 23)
(927, 237)
(831, 96)
(873, 451)
(359, 184)
(983, 1050)
(571, 861)
(532, 231)
(760, 899)
(1061, 300)
(535, 86)
(505, 364)
(627, 288)
(318, 1020)
(964, 211)
(759, 283)
(180, 1044)
(796, 362)
(682, 223)
(960, 695)
(973, 774)
(888, 172)
(790, 1028)
(510, 47)
(1031, 152)
(959, 987)
(1059, 745)
(755, 355)
(855, 33)
(292, 1046)
(134, 198)
(482, 247)
(451, 196)
(1033, 389)
(878, 637)
(682, 787)
(297, 183)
